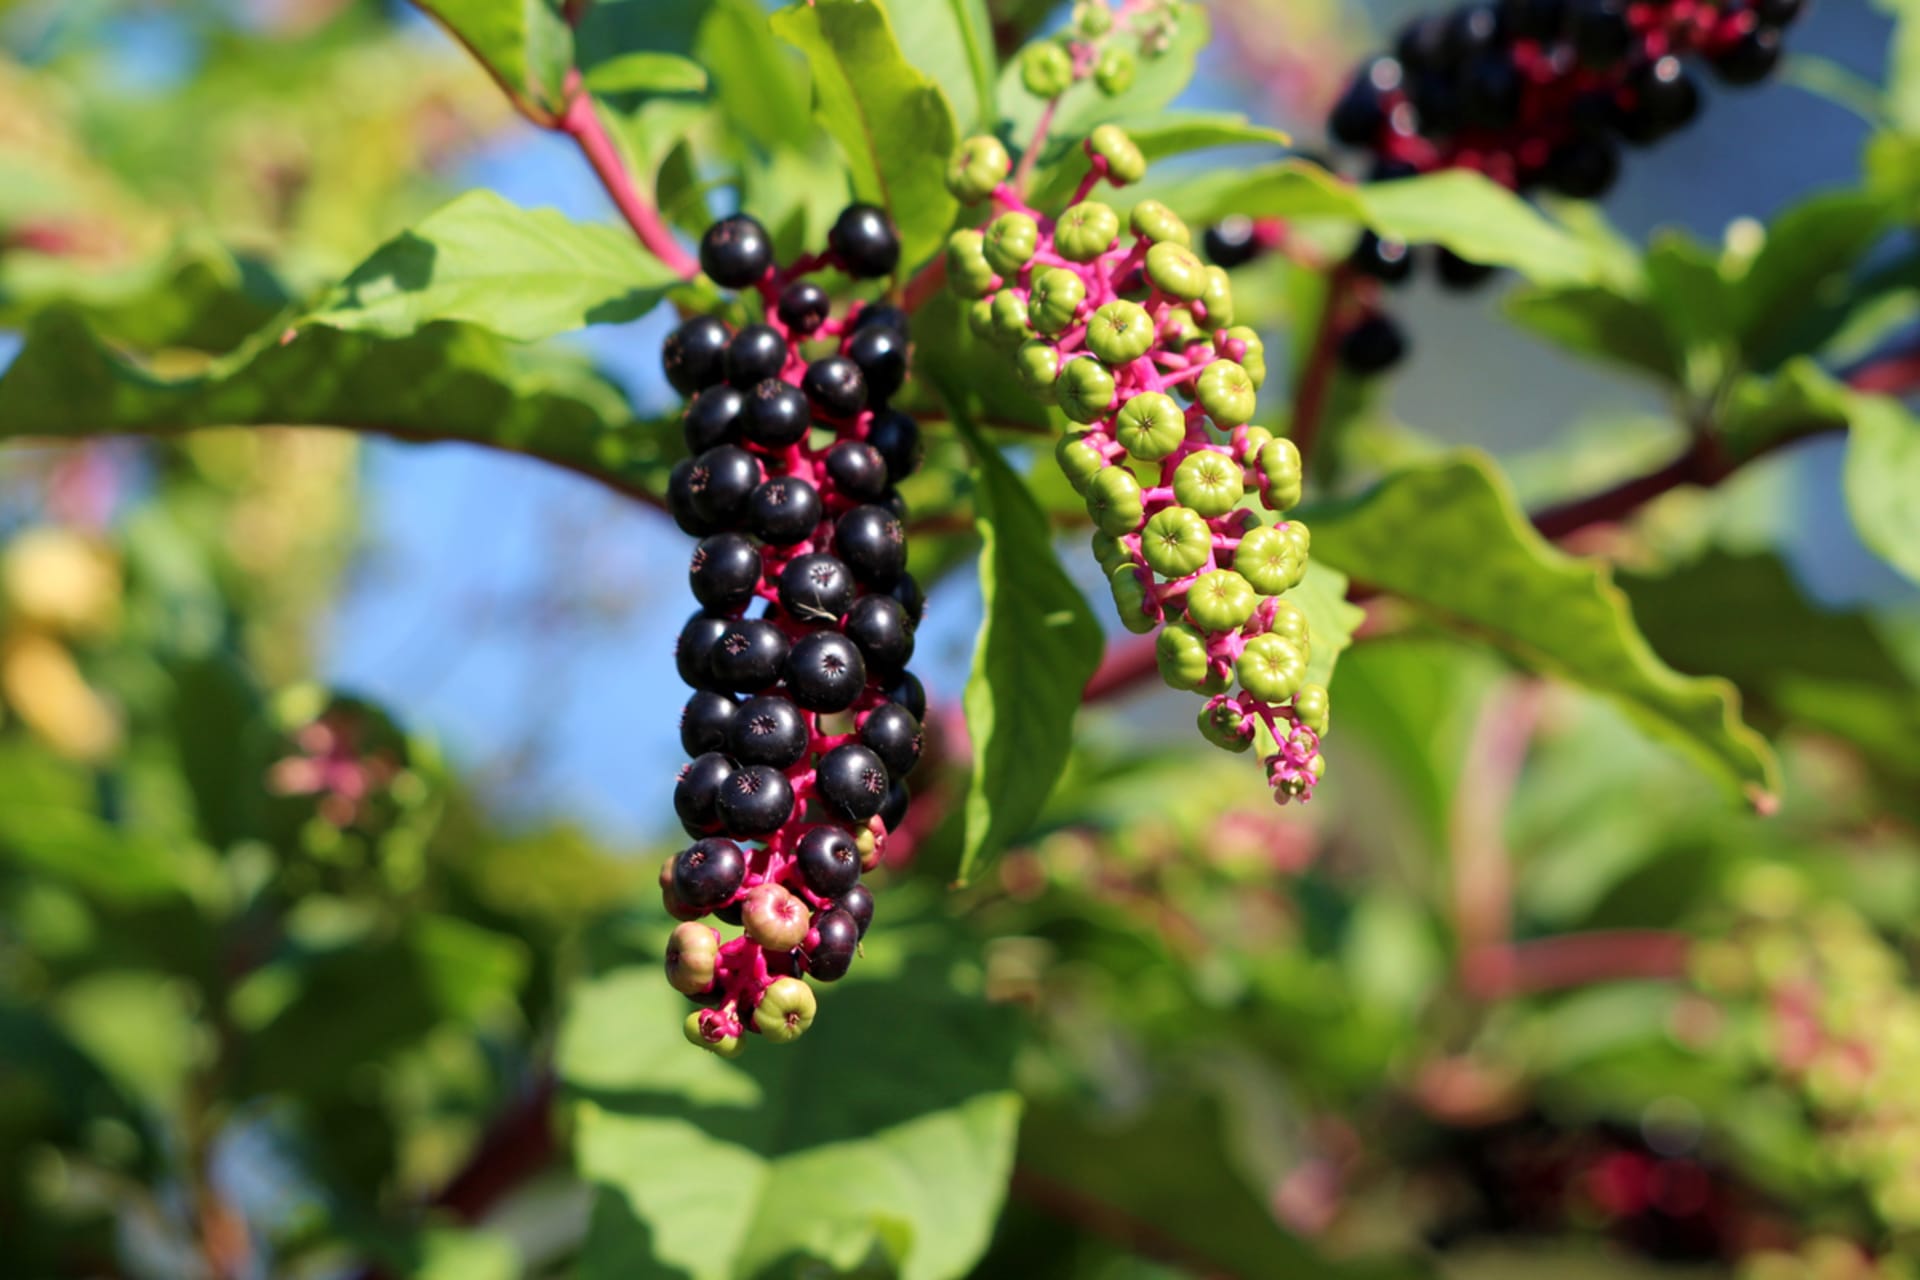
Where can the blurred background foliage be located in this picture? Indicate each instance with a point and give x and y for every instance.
(333, 775)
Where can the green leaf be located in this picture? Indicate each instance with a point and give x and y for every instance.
(885, 1136)
(1599, 322)
(760, 83)
(1759, 412)
(523, 44)
(193, 295)
(1806, 263)
(1158, 81)
(1158, 136)
(1882, 477)
(647, 71)
(525, 274)
(892, 122)
(1450, 539)
(1037, 647)
(1331, 621)
(952, 40)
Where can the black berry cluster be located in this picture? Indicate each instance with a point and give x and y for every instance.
(805, 721)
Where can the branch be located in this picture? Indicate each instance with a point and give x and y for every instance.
(581, 122)
(1031, 156)
(1096, 1217)
(1575, 960)
(1316, 378)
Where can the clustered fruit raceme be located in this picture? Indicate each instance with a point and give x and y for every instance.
(805, 720)
(1535, 94)
(1095, 44)
(1118, 335)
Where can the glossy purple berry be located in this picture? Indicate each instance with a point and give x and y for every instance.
(735, 251)
(704, 722)
(829, 861)
(784, 510)
(755, 801)
(879, 625)
(768, 730)
(694, 355)
(836, 386)
(858, 470)
(816, 589)
(724, 572)
(873, 544)
(881, 354)
(891, 732)
(775, 414)
(825, 672)
(756, 353)
(708, 872)
(851, 782)
(748, 656)
(831, 956)
(696, 792)
(803, 306)
(864, 242)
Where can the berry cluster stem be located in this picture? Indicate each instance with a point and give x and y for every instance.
(581, 122)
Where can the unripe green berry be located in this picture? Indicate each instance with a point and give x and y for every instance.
(728, 1047)
(1311, 708)
(1092, 18)
(1037, 365)
(1120, 331)
(1150, 426)
(1125, 164)
(785, 1010)
(1280, 464)
(980, 315)
(1055, 300)
(1181, 654)
(1217, 298)
(1271, 668)
(1270, 560)
(1256, 439)
(1007, 318)
(1084, 390)
(1153, 221)
(692, 953)
(969, 274)
(1011, 240)
(1079, 461)
(1114, 502)
(1290, 624)
(1220, 601)
(1176, 542)
(1108, 553)
(1254, 359)
(977, 166)
(1046, 69)
(1130, 598)
(1211, 483)
(1223, 726)
(1114, 72)
(1086, 230)
(1176, 270)
(1226, 393)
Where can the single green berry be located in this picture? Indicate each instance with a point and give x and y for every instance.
(980, 314)
(1056, 299)
(1120, 331)
(1079, 461)
(1113, 500)
(1268, 559)
(1311, 708)
(1280, 463)
(1176, 542)
(692, 954)
(1114, 72)
(1254, 358)
(1256, 439)
(1290, 624)
(1153, 221)
(1084, 390)
(1217, 298)
(1125, 164)
(969, 274)
(1176, 270)
(1211, 483)
(785, 1010)
(1046, 69)
(977, 166)
(1224, 726)
(1011, 239)
(1150, 426)
(1226, 393)
(1108, 553)
(1179, 330)
(1130, 598)
(1007, 318)
(1271, 668)
(1181, 654)
(1220, 601)
(1085, 231)
(1299, 535)
(1092, 18)
(1037, 364)
(727, 1047)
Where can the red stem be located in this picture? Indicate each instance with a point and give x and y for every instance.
(582, 123)
(1031, 155)
(1310, 393)
(1575, 960)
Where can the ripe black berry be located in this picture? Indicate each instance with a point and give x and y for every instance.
(755, 802)
(1361, 112)
(1231, 242)
(912, 599)
(857, 470)
(768, 730)
(1422, 45)
(720, 482)
(704, 721)
(850, 781)
(858, 903)
(825, 672)
(897, 437)
(878, 624)
(872, 543)
(803, 306)
(829, 861)
(784, 510)
(1600, 32)
(864, 242)
(1490, 91)
(708, 872)
(1473, 29)
(680, 501)
(777, 414)
(893, 810)
(724, 572)
(1388, 260)
(881, 353)
(748, 656)
(815, 588)
(836, 386)
(911, 694)
(1750, 59)
(1583, 167)
(713, 418)
(693, 652)
(756, 352)
(1459, 274)
(833, 954)
(891, 732)
(693, 355)
(1437, 100)
(696, 794)
(1664, 98)
(883, 314)
(736, 252)
(1372, 346)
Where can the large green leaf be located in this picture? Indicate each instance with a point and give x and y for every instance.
(1158, 136)
(193, 295)
(1331, 621)
(1037, 647)
(1602, 323)
(1450, 539)
(892, 122)
(883, 1137)
(1883, 480)
(525, 274)
(1806, 263)
(524, 44)
(952, 40)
